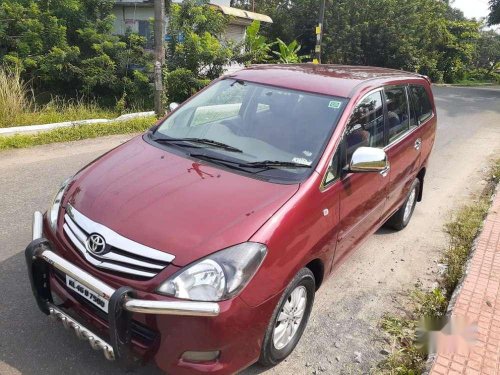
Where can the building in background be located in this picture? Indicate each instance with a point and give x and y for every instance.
(137, 15)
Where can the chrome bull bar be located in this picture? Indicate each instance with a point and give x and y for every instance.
(83, 333)
(121, 302)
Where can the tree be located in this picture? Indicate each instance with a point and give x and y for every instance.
(494, 16)
(292, 20)
(198, 51)
(487, 54)
(426, 36)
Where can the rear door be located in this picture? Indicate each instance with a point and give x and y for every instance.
(404, 143)
(362, 195)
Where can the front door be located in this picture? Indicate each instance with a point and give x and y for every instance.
(362, 196)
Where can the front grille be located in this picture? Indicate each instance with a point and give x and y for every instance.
(121, 254)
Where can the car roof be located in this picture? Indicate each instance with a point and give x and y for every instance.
(335, 80)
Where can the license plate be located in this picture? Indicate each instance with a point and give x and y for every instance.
(87, 293)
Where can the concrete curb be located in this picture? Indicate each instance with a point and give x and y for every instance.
(30, 129)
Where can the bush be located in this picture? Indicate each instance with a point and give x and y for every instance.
(482, 75)
(17, 107)
(182, 84)
(66, 48)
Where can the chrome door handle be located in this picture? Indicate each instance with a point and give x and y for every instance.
(385, 172)
(418, 144)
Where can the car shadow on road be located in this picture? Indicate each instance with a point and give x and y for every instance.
(383, 231)
(32, 344)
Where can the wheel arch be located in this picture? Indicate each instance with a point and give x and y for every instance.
(421, 177)
(317, 267)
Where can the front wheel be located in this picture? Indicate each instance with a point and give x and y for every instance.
(289, 319)
(402, 216)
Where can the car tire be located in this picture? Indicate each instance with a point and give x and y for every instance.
(402, 217)
(276, 347)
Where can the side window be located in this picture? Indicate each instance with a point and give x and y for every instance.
(422, 108)
(398, 121)
(333, 172)
(366, 126)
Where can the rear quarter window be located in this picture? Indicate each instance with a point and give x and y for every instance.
(422, 107)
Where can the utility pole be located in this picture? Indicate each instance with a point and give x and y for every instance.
(159, 33)
(319, 32)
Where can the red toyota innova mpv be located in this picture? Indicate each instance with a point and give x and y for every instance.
(200, 244)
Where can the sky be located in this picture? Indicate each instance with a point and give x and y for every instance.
(472, 8)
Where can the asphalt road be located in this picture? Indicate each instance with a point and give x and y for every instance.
(342, 330)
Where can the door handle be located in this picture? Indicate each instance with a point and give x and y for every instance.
(385, 172)
(418, 144)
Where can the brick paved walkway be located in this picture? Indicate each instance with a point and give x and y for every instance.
(479, 302)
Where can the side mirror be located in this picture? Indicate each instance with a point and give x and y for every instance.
(173, 106)
(368, 159)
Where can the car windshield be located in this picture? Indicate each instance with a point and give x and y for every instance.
(271, 131)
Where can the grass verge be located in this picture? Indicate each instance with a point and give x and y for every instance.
(76, 133)
(408, 354)
(58, 110)
(470, 83)
(18, 106)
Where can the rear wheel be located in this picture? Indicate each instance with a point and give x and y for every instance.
(402, 216)
(289, 319)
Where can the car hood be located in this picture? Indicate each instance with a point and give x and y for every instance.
(172, 203)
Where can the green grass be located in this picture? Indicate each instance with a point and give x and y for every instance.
(472, 83)
(408, 355)
(462, 231)
(57, 111)
(76, 133)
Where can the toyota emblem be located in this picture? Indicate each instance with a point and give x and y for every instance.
(96, 244)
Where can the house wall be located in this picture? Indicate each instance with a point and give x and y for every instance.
(126, 12)
(236, 33)
(129, 16)
(221, 2)
(126, 16)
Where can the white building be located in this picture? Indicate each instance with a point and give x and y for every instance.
(136, 16)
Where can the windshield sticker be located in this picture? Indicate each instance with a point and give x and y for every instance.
(335, 104)
(302, 161)
(307, 153)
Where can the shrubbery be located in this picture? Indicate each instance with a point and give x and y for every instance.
(183, 83)
(65, 48)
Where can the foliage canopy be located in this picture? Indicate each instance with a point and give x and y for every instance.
(427, 36)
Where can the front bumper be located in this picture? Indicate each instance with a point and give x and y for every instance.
(122, 303)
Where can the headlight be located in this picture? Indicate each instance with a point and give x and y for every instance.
(217, 277)
(56, 204)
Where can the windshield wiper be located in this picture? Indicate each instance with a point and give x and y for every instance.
(220, 161)
(204, 141)
(274, 164)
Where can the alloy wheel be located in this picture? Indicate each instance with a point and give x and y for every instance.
(409, 205)
(290, 317)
